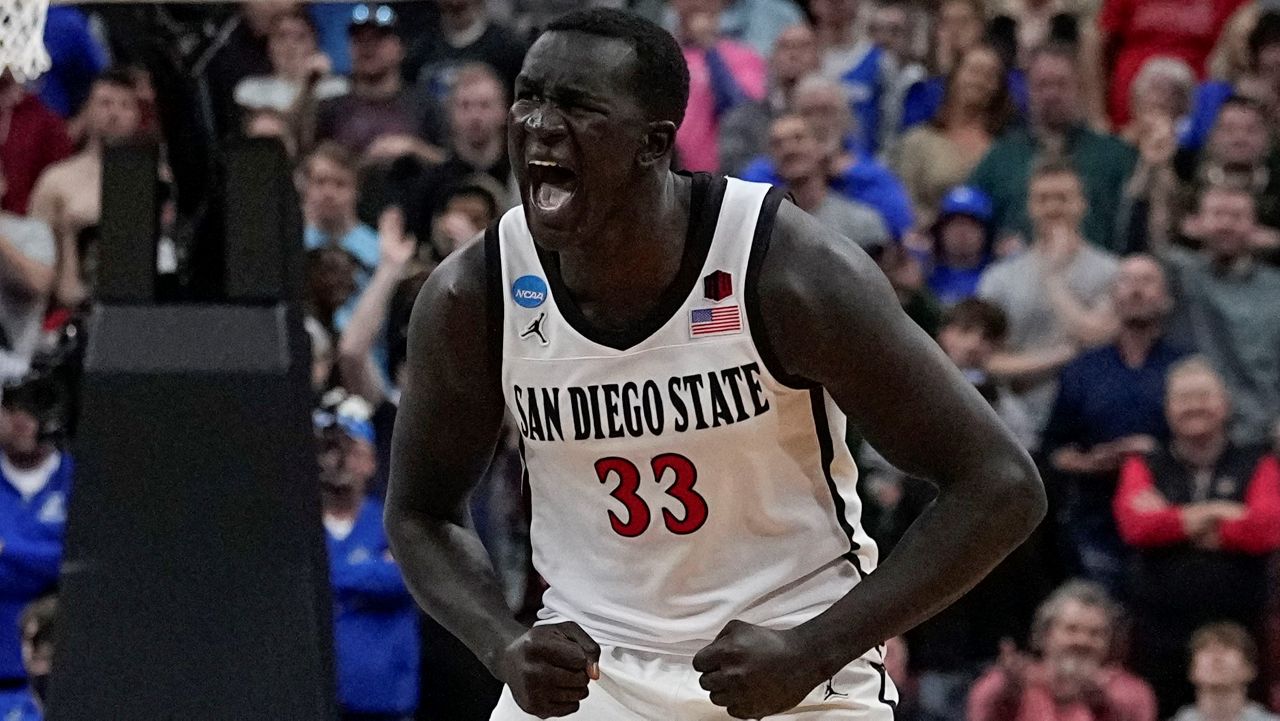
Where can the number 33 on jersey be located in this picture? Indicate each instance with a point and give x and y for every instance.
(678, 478)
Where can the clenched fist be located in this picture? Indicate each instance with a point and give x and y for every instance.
(754, 672)
(549, 667)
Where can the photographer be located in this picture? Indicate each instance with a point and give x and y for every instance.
(35, 480)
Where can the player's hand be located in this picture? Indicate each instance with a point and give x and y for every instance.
(754, 672)
(549, 667)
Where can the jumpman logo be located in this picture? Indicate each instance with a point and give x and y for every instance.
(831, 692)
(535, 328)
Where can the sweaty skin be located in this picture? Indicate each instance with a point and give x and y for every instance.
(830, 316)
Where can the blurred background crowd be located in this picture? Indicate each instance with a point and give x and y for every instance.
(1075, 197)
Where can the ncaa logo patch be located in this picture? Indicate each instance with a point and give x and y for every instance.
(529, 291)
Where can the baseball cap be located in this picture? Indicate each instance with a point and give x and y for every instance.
(968, 201)
(373, 15)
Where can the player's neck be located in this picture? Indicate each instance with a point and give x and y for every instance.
(631, 264)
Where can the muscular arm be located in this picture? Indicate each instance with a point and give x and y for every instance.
(833, 319)
(445, 435)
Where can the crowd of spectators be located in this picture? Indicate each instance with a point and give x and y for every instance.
(1080, 199)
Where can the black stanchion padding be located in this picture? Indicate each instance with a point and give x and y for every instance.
(194, 584)
(262, 206)
(129, 224)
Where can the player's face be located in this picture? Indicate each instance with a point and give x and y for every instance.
(575, 133)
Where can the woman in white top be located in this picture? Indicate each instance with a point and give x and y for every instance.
(294, 55)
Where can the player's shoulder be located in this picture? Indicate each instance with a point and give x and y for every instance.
(805, 259)
(816, 294)
(461, 283)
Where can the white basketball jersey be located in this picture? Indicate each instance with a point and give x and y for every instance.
(677, 482)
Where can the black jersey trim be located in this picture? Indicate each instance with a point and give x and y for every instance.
(707, 195)
(497, 294)
(759, 249)
(884, 686)
(817, 403)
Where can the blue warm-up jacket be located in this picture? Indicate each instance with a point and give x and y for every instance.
(375, 621)
(32, 534)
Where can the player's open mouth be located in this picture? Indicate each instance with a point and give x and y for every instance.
(551, 185)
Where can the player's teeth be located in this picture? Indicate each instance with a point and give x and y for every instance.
(544, 163)
(550, 197)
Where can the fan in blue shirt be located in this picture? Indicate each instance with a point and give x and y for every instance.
(1110, 404)
(375, 620)
(962, 240)
(36, 624)
(35, 482)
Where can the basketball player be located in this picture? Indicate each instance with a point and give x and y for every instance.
(697, 345)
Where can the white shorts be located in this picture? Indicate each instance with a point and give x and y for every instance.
(644, 686)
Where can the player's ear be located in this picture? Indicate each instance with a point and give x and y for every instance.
(659, 141)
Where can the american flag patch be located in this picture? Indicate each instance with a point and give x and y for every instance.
(715, 321)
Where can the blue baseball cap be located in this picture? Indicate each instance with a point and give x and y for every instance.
(968, 201)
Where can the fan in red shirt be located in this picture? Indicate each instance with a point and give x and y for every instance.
(1072, 680)
(1203, 516)
(32, 137)
(1132, 31)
